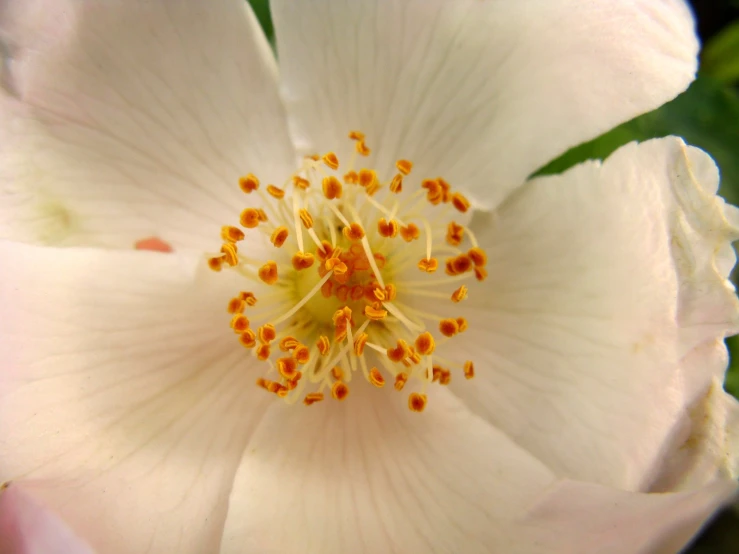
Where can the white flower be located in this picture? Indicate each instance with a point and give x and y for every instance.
(595, 421)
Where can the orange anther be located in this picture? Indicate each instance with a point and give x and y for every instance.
(460, 202)
(454, 234)
(302, 260)
(302, 354)
(469, 370)
(331, 187)
(337, 265)
(462, 322)
(399, 352)
(362, 148)
(337, 373)
(356, 135)
(248, 183)
(236, 306)
(396, 185)
(287, 367)
(390, 292)
(353, 232)
(312, 398)
(435, 193)
(461, 264)
(230, 253)
(288, 343)
(323, 345)
(425, 343)
(480, 273)
(375, 314)
(263, 352)
(327, 289)
(404, 166)
(232, 234)
(248, 297)
(331, 160)
(417, 402)
(359, 342)
(306, 218)
(268, 273)
(215, 263)
(449, 327)
(279, 236)
(249, 218)
(300, 182)
(387, 229)
(351, 178)
(379, 294)
(239, 323)
(248, 339)
(276, 192)
(266, 333)
(400, 380)
(478, 256)
(446, 189)
(339, 390)
(410, 232)
(262, 215)
(429, 265)
(459, 294)
(376, 378)
(367, 177)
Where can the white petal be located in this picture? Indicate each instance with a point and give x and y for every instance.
(583, 518)
(28, 528)
(369, 476)
(603, 294)
(125, 406)
(481, 93)
(129, 119)
(706, 449)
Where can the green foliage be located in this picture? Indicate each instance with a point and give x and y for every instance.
(720, 57)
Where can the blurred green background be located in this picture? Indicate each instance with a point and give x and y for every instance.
(707, 116)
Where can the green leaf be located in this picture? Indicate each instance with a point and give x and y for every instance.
(261, 10)
(720, 57)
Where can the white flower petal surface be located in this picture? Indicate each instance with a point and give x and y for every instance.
(124, 119)
(482, 93)
(124, 406)
(369, 476)
(605, 310)
(28, 528)
(583, 518)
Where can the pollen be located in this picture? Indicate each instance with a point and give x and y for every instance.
(340, 297)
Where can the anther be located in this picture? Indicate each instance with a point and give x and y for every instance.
(263, 352)
(469, 370)
(339, 390)
(434, 192)
(306, 218)
(302, 354)
(248, 183)
(351, 178)
(362, 148)
(460, 202)
(276, 192)
(266, 333)
(356, 135)
(478, 256)
(287, 367)
(359, 342)
(301, 182)
(459, 294)
(331, 187)
(323, 345)
(248, 297)
(331, 160)
(236, 306)
(454, 234)
(404, 166)
(388, 229)
(448, 327)
(428, 265)
(399, 352)
(376, 378)
(375, 314)
(215, 263)
(400, 380)
(239, 323)
(230, 253)
(288, 343)
(396, 185)
(248, 339)
(480, 273)
(302, 260)
(367, 177)
(312, 398)
(353, 232)
(232, 234)
(462, 322)
(410, 232)
(425, 343)
(417, 402)
(279, 236)
(268, 273)
(249, 218)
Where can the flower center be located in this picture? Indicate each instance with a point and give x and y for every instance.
(351, 256)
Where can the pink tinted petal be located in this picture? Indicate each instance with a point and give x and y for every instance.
(27, 527)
